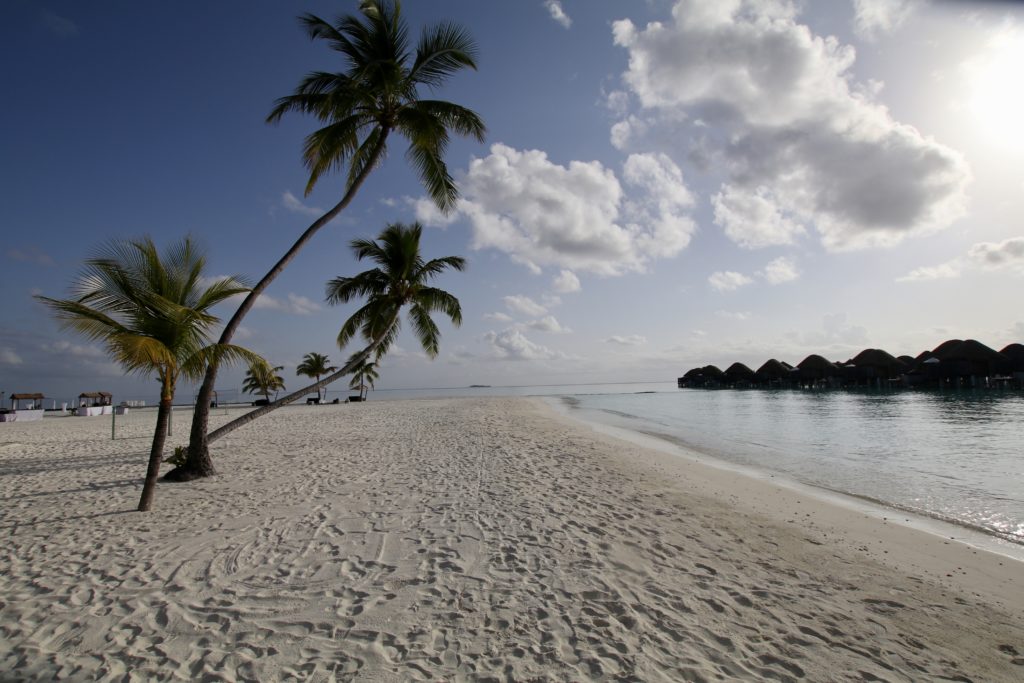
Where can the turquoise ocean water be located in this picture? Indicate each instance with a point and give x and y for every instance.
(951, 456)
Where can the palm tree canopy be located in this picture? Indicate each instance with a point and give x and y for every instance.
(314, 365)
(400, 279)
(150, 310)
(364, 374)
(379, 92)
(262, 378)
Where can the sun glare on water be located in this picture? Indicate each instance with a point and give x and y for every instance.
(996, 86)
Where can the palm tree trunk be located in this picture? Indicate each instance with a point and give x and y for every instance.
(156, 454)
(198, 462)
(346, 369)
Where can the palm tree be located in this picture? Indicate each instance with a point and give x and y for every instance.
(152, 313)
(261, 378)
(315, 365)
(364, 376)
(401, 279)
(377, 94)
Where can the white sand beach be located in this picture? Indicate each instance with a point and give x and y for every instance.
(467, 539)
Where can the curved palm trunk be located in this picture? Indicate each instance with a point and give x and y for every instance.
(346, 369)
(156, 453)
(198, 462)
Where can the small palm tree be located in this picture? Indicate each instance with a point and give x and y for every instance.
(262, 378)
(400, 279)
(364, 376)
(377, 93)
(315, 365)
(152, 313)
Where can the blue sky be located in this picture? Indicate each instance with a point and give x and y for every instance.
(664, 184)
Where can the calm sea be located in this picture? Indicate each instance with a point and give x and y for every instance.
(951, 456)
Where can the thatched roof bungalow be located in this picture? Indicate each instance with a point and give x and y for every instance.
(739, 375)
(774, 373)
(970, 362)
(875, 366)
(816, 370)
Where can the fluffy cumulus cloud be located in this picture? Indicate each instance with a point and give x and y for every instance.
(557, 13)
(295, 205)
(549, 324)
(728, 280)
(874, 17)
(295, 304)
(578, 217)
(566, 282)
(498, 317)
(511, 344)
(1007, 255)
(524, 304)
(799, 141)
(782, 269)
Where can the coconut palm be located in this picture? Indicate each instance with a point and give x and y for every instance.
(364, 376)
(377, 94)
(315, 365)
(261, 378)
(401, 279)
(152, 313)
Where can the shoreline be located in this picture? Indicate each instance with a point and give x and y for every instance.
(946, 528)
(479, 539)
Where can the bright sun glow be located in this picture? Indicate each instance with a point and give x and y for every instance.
(997, 89)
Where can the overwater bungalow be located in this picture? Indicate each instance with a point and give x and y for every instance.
(774, 374)
(707, 377)
(739, 375)
(1015, 355)
(875, 368)
(970, 363)
(818, 372)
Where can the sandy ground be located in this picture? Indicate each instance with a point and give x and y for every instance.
(467, 539)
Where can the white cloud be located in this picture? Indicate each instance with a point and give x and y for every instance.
(295, 304)
(782, 269)
(1005, 255)
(872, 17)
(627, 340)
(943, 271)
(548, 324)
(426, 212)
(576, 217)
(835, 332)
(295, 205)
(1008, 253)
(498, 317)
(511, 344)
(9, 357)
(566, 282)
(78, 351)
(733, 315)
(524, 304)
(554, 8)
(752, 219)
(728, 280)
(784, 113)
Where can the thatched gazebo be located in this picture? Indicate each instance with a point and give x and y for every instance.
(16, 400)
(95, 398)
(33, 411)
(739, 375)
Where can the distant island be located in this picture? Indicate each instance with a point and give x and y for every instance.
(952, 364)
(479, 386)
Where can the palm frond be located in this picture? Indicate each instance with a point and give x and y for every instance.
(442, 50)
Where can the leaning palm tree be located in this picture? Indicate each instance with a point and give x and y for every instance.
(315, 365)
(363, 378)
(152, 313)
(262, 378)
(400, 279)
(377, 94)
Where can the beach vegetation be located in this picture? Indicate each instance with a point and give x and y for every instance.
(315, 365)
(401, 279)
(363, 378)
(377, 94)
(262, 378)
(151, 312)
